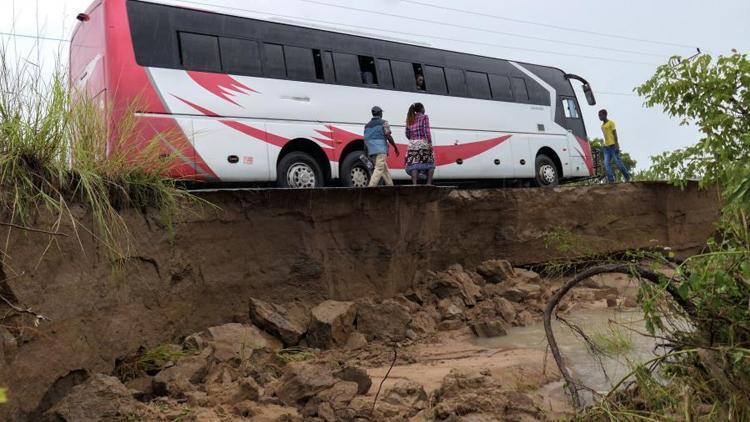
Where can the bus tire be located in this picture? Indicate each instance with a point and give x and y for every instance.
(546, 172)
(299, 170)
(354, 173)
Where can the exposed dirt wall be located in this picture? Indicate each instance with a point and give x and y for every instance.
(304, 246)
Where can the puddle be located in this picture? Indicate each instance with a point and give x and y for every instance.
(633, 348)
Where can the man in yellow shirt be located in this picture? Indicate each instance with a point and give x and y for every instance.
(611, 148)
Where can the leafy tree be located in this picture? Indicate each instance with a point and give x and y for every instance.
(597, 148)
(3, 396)
(714, 95)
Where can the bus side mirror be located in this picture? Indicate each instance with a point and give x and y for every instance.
(589, 94)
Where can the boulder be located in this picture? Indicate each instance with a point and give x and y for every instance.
(180, 378)
(387, 320)
(404, 400)
(332, 324)
(356, 375)
(522, 292)
(423, 323)
(234, 392)
(450, 325)
(302, 381)
(339, 395)
(486, 329)
(356, 341)
(279, 321)
(100, 398)
(496, 270)
(455, 282)
(524, 318)
(235, 341)
(505, 309)
(448, 309)
(525, 276)
(611, 301)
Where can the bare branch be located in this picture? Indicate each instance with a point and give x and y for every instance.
(31, 229)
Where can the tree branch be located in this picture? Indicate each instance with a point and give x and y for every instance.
(644, 273)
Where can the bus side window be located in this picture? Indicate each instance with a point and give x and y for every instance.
(347, 69)
(300, 63)
(384, 73)
(479, 85)
(318, 59)
(403, 76)
(199, 52)
(435, 79)
(273, 61)
(419, 77)
(519, 90)
(367, 70)
(570, 108)
(456, 82)
(240, 57)
(501, 88)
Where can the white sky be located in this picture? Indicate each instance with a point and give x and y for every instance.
(716, 27)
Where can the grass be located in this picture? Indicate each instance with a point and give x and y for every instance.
(295, 354)
(3, 395)
(612, 342)
(155, 358)
(52, 155)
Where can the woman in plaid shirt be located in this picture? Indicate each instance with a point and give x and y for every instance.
(419, 158)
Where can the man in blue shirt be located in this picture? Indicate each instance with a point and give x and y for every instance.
(377, 138)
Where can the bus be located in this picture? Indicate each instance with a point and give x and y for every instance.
(258, 99)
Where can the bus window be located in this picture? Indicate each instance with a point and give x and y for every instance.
(403, 76)
(501, 88)
(318, 59)
(240, 57)
(273, 63)
(419, 77)
(347, 69)
(384, 73)
(367, 70)
(435, 78)
(300, 63)
(456, 82)
(519, 90)
(479, 85)
(199, 52)
(570, 108)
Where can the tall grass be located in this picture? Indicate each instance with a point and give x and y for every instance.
(53, 154)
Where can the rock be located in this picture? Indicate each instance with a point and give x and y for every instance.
(237, 341)
(356, 375)
(340, 395)
(405, 399)
(266, 412)
(630, 302)
(450, 325)
(449, 310)
(204, 415)
(611, 301)
(524, 318)
(332, 323)
(100, 398)
(180, 378)
(385, 321)
(505, 309)
(356, 341)
(407, 303)
(326, 412)
(522, 292)
(455, 283)
(486, 329)
(496, 270)
(278, 321)
(423, 323)
(411, 334)
(196, 398)
(234, 392)
(527, 277)
(301, 381)
(143, 385)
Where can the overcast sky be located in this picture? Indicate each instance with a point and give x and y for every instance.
(716, 27)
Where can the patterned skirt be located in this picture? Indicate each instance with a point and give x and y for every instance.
(419, 157)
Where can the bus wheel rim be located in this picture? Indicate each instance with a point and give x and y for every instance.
(359, 177)
(548, 173)
(301, 175)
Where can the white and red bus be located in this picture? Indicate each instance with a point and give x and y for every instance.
(256, 100)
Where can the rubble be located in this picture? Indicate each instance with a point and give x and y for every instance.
(278, 321)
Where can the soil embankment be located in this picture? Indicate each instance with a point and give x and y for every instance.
(300, 248)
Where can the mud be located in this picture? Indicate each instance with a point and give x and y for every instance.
(301, 247)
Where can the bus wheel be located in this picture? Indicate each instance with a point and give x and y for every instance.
(546, 172)
(354, 174)
(299, 170)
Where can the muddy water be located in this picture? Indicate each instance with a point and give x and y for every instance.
(598, 373)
